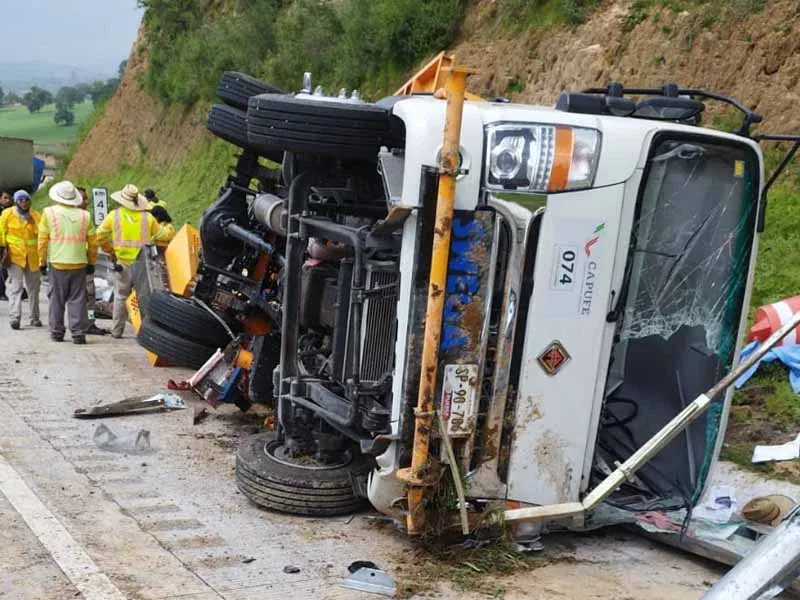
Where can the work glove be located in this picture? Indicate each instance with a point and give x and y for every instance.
(117, 268)
(160, 214)
(90, 269)
(43, 270)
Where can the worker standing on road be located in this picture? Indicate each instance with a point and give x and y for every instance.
(153, 199)
(67, 242)
(91, 292)
(18, 232)
(123, 233)
(5, 202)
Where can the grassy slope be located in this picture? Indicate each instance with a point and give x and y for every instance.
(187, 188)
(16, 121)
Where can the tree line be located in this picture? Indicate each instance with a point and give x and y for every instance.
(65, 98)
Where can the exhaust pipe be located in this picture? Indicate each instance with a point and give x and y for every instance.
(269, 210)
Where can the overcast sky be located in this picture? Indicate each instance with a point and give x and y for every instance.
(71, 32)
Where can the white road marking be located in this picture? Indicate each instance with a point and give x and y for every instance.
(77, 565)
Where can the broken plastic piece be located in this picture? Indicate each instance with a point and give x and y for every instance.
(124, 440)
(129, 405)
(788, 451)
(374, 581)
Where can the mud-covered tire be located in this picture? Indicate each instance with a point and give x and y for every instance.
(235, 89)
(321, 127)
(172, 347)
(187, 318)
(284, 488)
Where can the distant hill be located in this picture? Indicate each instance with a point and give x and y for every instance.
(20, 76)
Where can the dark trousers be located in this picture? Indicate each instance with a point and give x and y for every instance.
(68, 291)
(3, 276)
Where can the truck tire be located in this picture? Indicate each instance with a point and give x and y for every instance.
(317, 126)
(301, 489)
(230, 124)
(172, 347)
(235, 89)
(187, 318)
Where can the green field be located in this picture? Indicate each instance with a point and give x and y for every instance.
(16, 121)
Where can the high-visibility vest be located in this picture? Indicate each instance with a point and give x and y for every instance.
(69, 232)
(20, 235)
(131, 232)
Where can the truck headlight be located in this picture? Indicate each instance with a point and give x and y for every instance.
(540, 158)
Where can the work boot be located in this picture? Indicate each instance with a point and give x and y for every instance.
(36, 323)
(78, 339)
(95, 330)
(57, 337)
(14, 324)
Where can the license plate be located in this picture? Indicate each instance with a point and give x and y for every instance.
(459, 399)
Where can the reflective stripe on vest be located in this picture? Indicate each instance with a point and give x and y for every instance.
(58, 235)
(18, 240)
(68, 238)
(144, 232)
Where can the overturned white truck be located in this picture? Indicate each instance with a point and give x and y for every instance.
(500, 316)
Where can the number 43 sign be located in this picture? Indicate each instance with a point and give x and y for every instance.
(100, 200)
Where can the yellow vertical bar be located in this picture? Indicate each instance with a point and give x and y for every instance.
(424, 413)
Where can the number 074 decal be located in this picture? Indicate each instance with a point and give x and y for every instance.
(564, 267)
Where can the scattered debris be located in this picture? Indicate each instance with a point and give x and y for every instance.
(534, 545)
(179, 386)
(362, 564)
(788, 451)
(247, 561)
(371, 580)
(200, 414)
(768, 510)
(124, 440)
(291, 569)
(130, 405)
(718, 507)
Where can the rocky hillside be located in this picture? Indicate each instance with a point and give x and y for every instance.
(754, 57)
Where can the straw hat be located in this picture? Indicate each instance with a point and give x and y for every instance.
(768, 510)
(130, 197)
(64, 192)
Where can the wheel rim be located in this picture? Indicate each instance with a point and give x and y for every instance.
(280, 454)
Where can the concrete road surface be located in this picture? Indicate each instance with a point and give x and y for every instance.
(82, 522)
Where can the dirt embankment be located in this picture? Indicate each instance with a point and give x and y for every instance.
(136, 125)
(755, 57)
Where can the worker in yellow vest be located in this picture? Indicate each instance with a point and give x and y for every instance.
(122, 234)
(153, 199)
(18, 232)
(67, 243)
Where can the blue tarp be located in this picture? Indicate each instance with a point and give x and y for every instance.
(38, 170)
(788, 355)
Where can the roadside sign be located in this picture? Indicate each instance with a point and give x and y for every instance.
(100, 198)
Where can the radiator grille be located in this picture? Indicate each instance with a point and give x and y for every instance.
(379, 325)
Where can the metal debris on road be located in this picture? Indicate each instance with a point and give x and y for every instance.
(247, 561)
(130, 405)
(124, 440)
(370, 580)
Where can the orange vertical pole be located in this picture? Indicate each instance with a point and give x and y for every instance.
(425, 409)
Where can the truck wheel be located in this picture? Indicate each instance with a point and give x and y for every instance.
(230, 124)
(272, 479)
(187, 318)
(317, 126)
(235, 89)
(172, 347)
